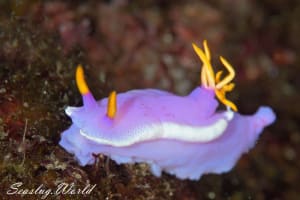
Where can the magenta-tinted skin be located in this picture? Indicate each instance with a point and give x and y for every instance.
(184, 136)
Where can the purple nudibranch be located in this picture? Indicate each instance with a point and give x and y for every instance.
(181, 135)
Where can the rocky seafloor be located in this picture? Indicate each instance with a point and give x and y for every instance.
(132, 44)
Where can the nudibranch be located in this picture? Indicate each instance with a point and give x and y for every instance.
(181, 135)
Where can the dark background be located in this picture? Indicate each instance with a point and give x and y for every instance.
(145, 44)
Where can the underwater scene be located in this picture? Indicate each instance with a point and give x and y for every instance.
(162, 100)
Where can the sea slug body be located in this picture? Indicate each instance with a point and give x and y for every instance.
(181, 135)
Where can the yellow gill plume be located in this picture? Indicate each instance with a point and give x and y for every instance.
(212, 81)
